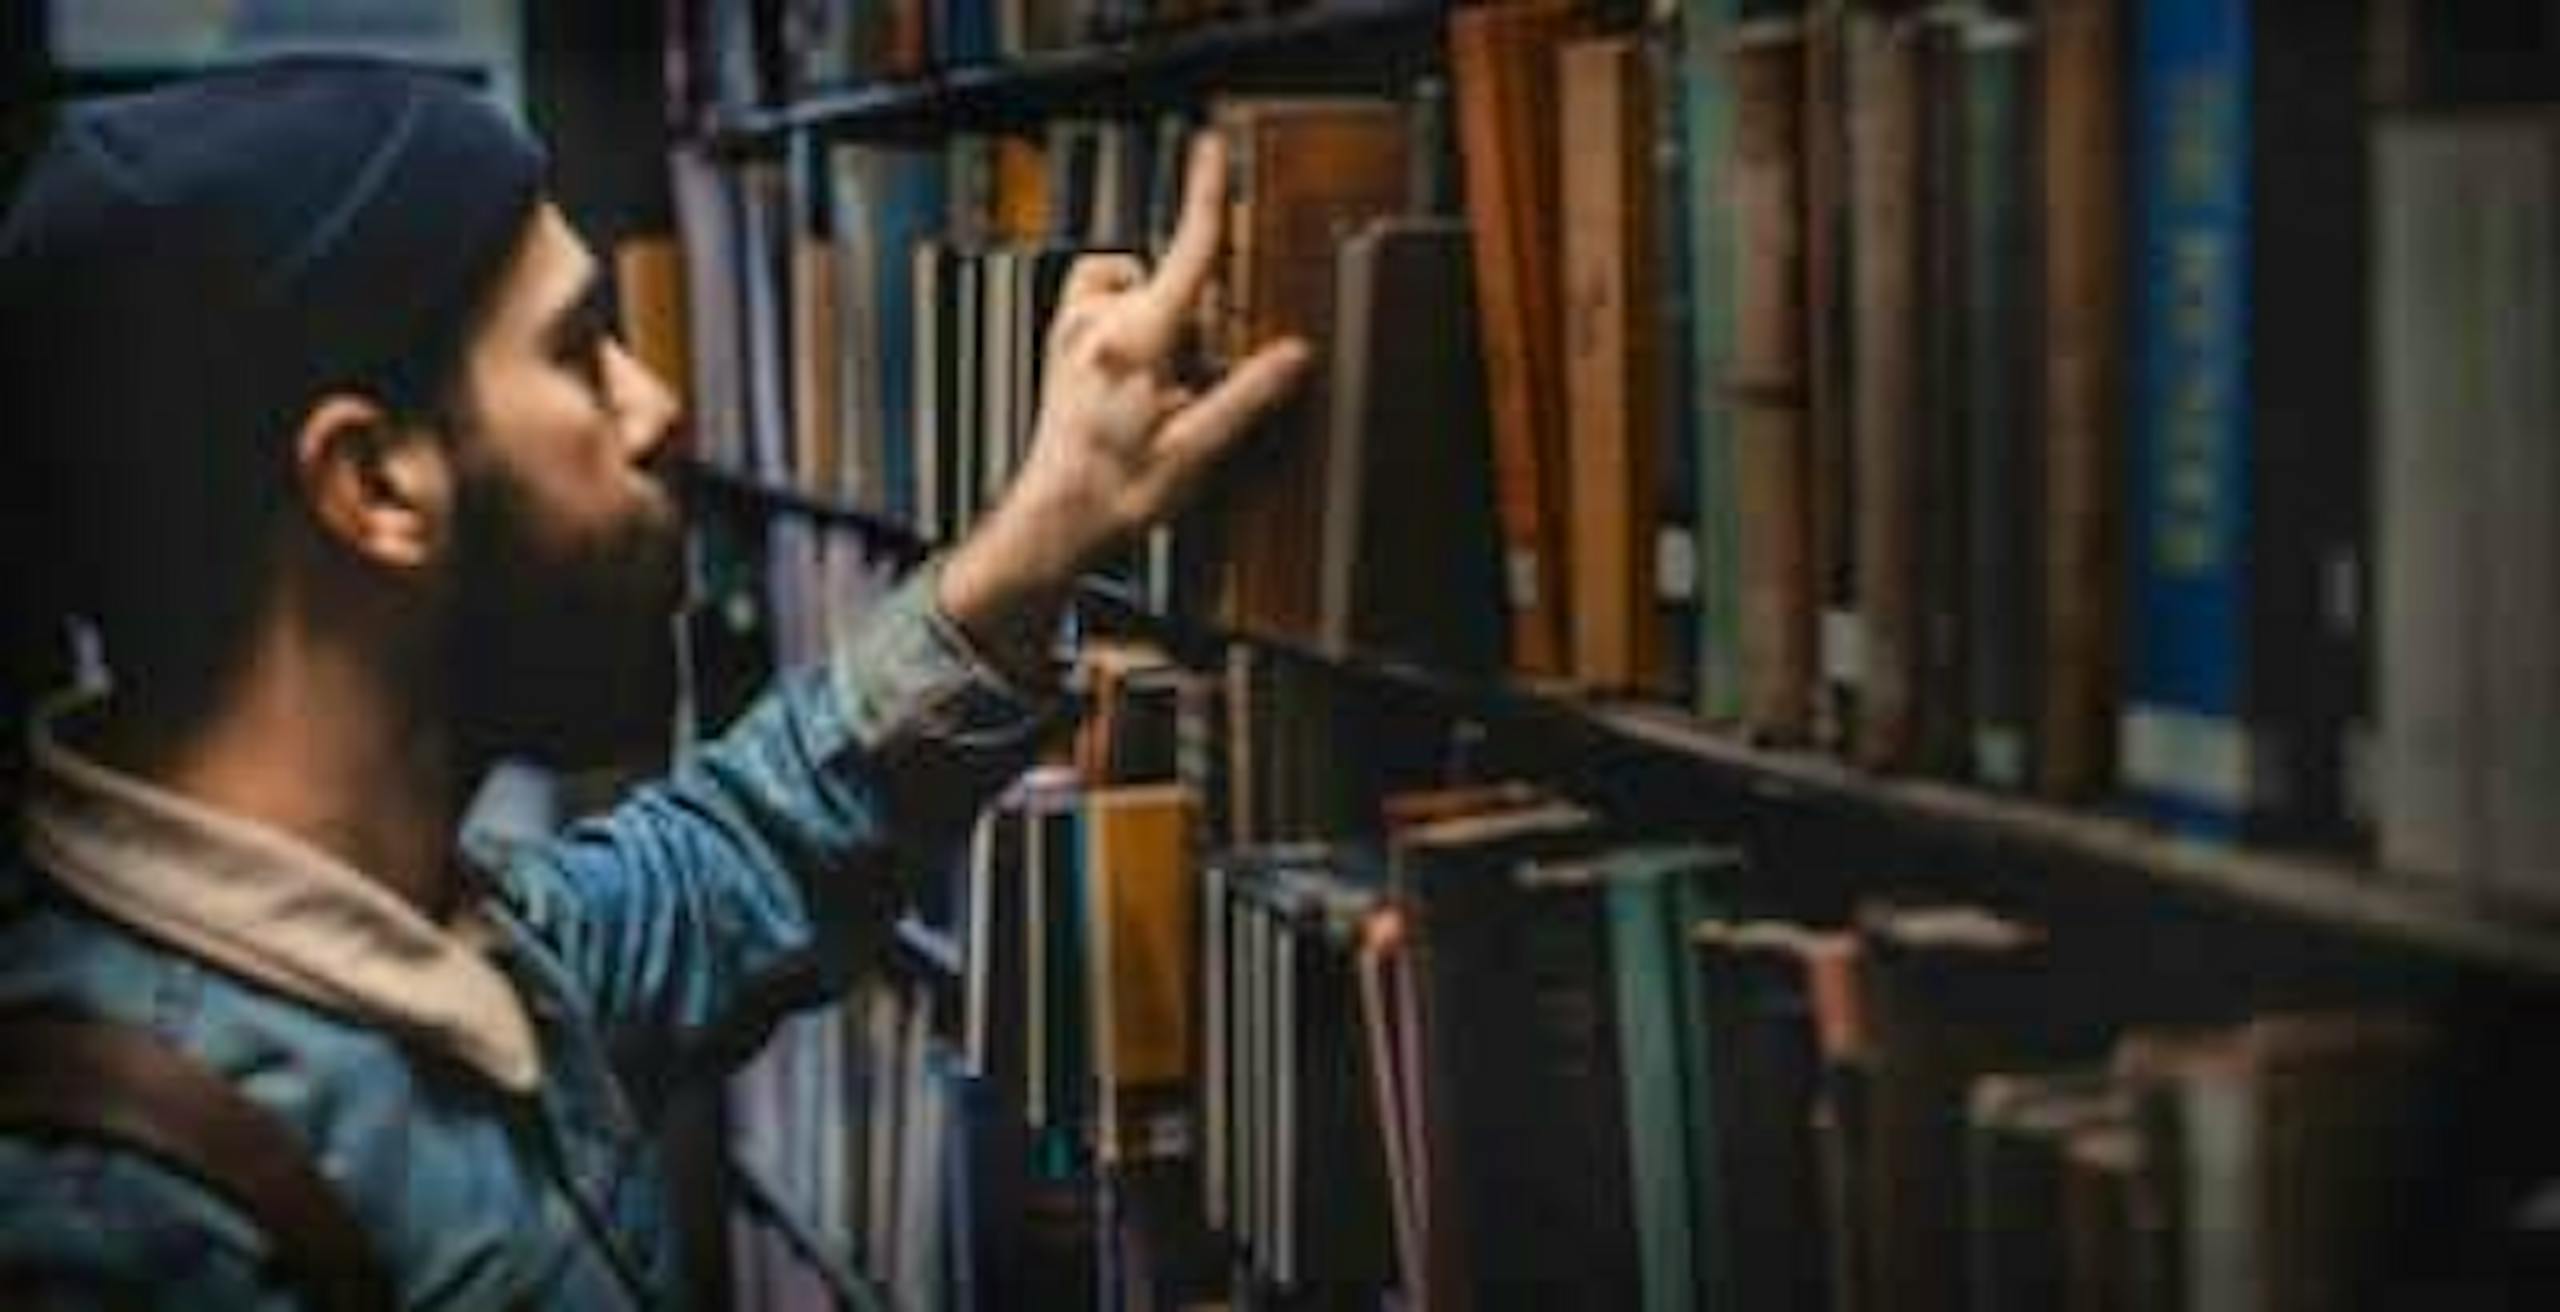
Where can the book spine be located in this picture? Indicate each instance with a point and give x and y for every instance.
(1886, 112)
(2429, 288)
(1678, 625)
(1609, 356)
(1767, 385)
(2001, 492)
(1941, 604)
(2082, 301)
(1641, 936)
(1499, 65)
(2523, 520)
(1707, 130)
(2186, 748)
(1827, 298)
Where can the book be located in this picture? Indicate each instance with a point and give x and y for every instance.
(1502, 73)
(2082, 295)
(1654, 894)
(2019, 1132)
(1612, 363)
(1769, 1239)
(1832, 457)
(2246, 649)
(1411, 556)
(2002, 657)
(1304, 171)
(1766, 389)
(1886, 113)
(1138, 867)
(1704, 93)
(2467, 649)
(2291, 1138)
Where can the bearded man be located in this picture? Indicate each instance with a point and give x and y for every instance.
(362, 491)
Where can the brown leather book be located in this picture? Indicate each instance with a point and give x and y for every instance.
(1769, 382)
(2083, 279)
(1502, 69)
(1304, 173)
(1612, 360)
(1885, 117)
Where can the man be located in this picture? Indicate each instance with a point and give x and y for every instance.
(373, 495)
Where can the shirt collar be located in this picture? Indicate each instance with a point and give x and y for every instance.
(266, 905)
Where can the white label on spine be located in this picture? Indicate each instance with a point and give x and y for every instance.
(2181, 754)
(1675, 564)
(1520, 570)
(1843, 647)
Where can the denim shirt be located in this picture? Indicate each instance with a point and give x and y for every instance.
(481, 1092)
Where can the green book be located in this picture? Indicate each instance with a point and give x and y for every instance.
(1654, 895)
(1706, 131)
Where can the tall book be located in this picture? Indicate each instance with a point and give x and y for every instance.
(1654, 894)
(1706, 129)
(1941, 608)
(2467, 498)
(2080, 199)
(1411, 553)
(1502, 70)
(1952, 993)
(1764, 1242)
(1886, 114)
(1141, 883)
(1611, 359)
(1832, 455)
(1513, 1165)
(1771, 468)
(2246, 655)
(1305, 170)
(2001, 652)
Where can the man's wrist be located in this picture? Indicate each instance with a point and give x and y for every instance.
(1006, 586)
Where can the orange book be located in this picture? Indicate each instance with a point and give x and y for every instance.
(1503, 75)
(1139, 861)
(1612, 365)
(1021, 206)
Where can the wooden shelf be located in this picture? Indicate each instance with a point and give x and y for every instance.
(2336, 894)
(1050, 80)
(2365, 902)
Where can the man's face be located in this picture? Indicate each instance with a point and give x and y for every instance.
(568, 545)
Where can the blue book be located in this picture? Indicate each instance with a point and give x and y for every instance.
(911, 210)
(2244, 678)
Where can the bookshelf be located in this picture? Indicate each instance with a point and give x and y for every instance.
(1839, 806)
(2366, 903)
(1172, 63)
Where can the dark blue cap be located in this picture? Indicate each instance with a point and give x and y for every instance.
(289, 226)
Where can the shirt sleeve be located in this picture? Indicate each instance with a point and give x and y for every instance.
(92, 1227)
(752, 878)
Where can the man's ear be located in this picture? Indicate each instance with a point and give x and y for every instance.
(378, 487)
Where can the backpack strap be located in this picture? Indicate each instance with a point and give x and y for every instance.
(80, 1077)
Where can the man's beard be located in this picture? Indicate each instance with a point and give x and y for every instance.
(562, 654)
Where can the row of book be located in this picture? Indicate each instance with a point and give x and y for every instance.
(1520, 1062)
(1504, 1050)
(731, 55)
(1837, 391)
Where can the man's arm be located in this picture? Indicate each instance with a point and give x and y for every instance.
(779, 842)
